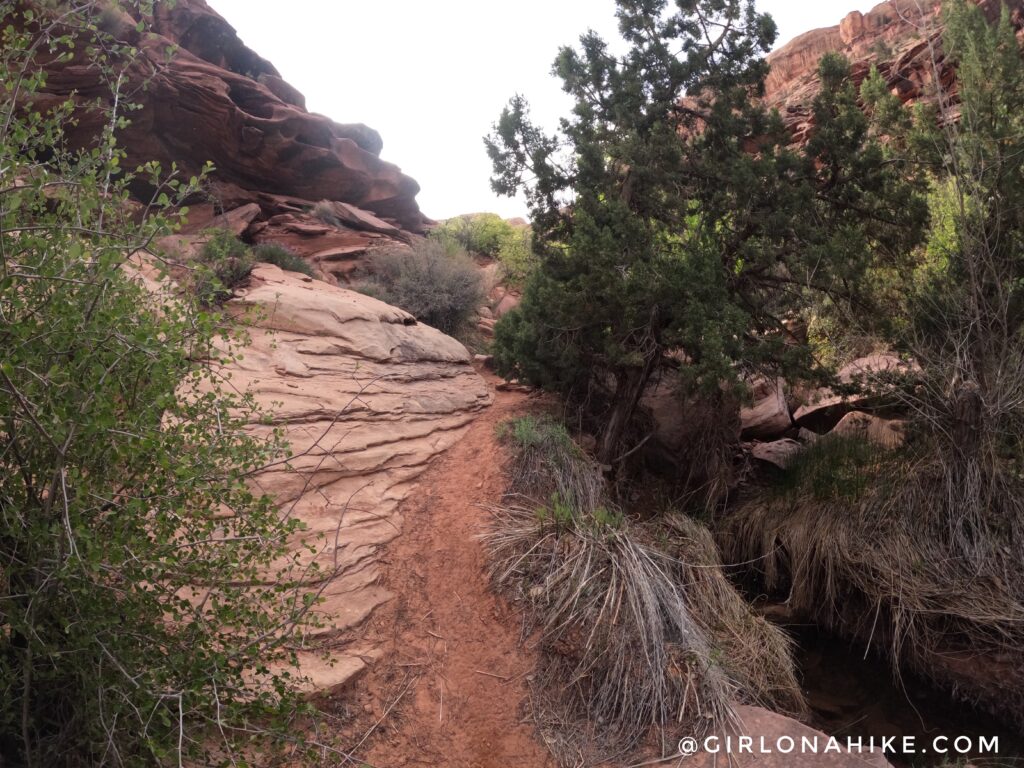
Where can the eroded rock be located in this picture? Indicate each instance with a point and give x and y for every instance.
(366, 397)
(768, 416)
(775, 731)
(216, 100)
(875, 375)
(899, 37)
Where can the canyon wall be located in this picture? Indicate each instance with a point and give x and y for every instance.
(903, 38)
(203, 96)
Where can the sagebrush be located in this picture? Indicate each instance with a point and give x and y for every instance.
(439, 285)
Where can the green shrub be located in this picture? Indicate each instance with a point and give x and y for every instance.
(834, 467)
(479, 233)
(490, 236)
(280, 256)
(439, 285)
(224, 262)
(149, 601)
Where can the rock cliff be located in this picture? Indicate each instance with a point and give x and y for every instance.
(901, 37)
(204, 96)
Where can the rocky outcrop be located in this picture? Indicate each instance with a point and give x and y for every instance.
(768, 415)
(876, 378)
(366, 398)
(771, 736)
(901, 37)
(213, 99)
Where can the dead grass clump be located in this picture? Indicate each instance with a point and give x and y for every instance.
(917, 557)
(640, 630)
(621, 645)
(547, 462)
(755, 654)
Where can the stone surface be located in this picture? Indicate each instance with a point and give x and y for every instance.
(768, 416)
(897, 36)
(508, 302)
(875, 374)
(885, 433)
(366, 397)
(757, 724)
(216, 100)
(777, 452)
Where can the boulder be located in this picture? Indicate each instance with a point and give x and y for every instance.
(768, 416)
(769, 728)
(778, 453)
(882, 432)
(366, 397)
(875, 374)
(508, 302)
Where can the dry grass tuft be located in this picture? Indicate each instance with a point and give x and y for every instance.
(755, 653)
(916, 556)
(622, 646)
(547, 461)
(641, 633)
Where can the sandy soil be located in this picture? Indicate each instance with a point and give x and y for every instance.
(450, 689)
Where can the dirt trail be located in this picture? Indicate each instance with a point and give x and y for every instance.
(450, 689)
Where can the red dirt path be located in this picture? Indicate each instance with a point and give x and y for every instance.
(451, 687)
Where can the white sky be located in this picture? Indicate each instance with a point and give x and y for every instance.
(432, 76)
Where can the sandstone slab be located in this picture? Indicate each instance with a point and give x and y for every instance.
(768, 416)
(775, 732)
(875, 375)
(366, 397)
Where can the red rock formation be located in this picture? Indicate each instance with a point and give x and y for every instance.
(216, 100)
(898, 36)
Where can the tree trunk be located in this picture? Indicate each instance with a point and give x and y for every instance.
(968, 412)
(629, 388)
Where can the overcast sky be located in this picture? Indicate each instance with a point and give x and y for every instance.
(432, 76)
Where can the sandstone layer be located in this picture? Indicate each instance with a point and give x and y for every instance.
(366, 397)
(903, 38)
(203, 96)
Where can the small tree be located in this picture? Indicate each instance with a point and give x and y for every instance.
(966, 307)
(670, 215)
(141, 610)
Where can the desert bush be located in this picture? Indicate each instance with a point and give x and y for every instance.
(834, 466)
(148, 606)
(439, 285)
(224, 263)
(622, 645)
(280, 256)
(479, 233)
(547, 463)
(324, 212)
(488, 235)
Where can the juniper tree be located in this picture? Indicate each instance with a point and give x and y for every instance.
(671, 215)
